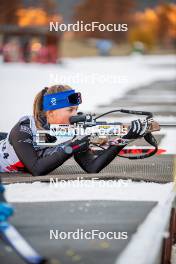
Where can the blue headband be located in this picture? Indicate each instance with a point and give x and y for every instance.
(61, 100)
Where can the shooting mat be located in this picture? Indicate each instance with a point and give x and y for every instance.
(158, 169)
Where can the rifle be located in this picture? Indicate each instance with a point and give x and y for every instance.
(101, 132)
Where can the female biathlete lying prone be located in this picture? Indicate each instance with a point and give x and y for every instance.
(54, 105)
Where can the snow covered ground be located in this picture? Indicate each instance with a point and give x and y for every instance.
(76, 190)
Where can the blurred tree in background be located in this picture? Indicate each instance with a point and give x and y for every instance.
(8, 11)
(152, 27)
(107, 11)
(155, 26)
(166, 14)
(15, 13)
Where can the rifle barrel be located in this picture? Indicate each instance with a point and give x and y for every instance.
(168, 124)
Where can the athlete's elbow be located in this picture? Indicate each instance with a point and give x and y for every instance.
(37, 172)
(92, 170)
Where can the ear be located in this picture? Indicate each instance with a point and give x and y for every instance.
(49, 116)
(49, 113)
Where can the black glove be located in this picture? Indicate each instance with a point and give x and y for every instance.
(78, 144)
(137, 130)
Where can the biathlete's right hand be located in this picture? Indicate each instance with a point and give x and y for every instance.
(137, 130)
(78, 144)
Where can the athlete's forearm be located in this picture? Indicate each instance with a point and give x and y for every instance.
(92, 163)
(47, 164)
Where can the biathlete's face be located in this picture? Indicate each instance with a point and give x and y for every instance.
(62, 115)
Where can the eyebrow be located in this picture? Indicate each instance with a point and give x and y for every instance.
(72, 107)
